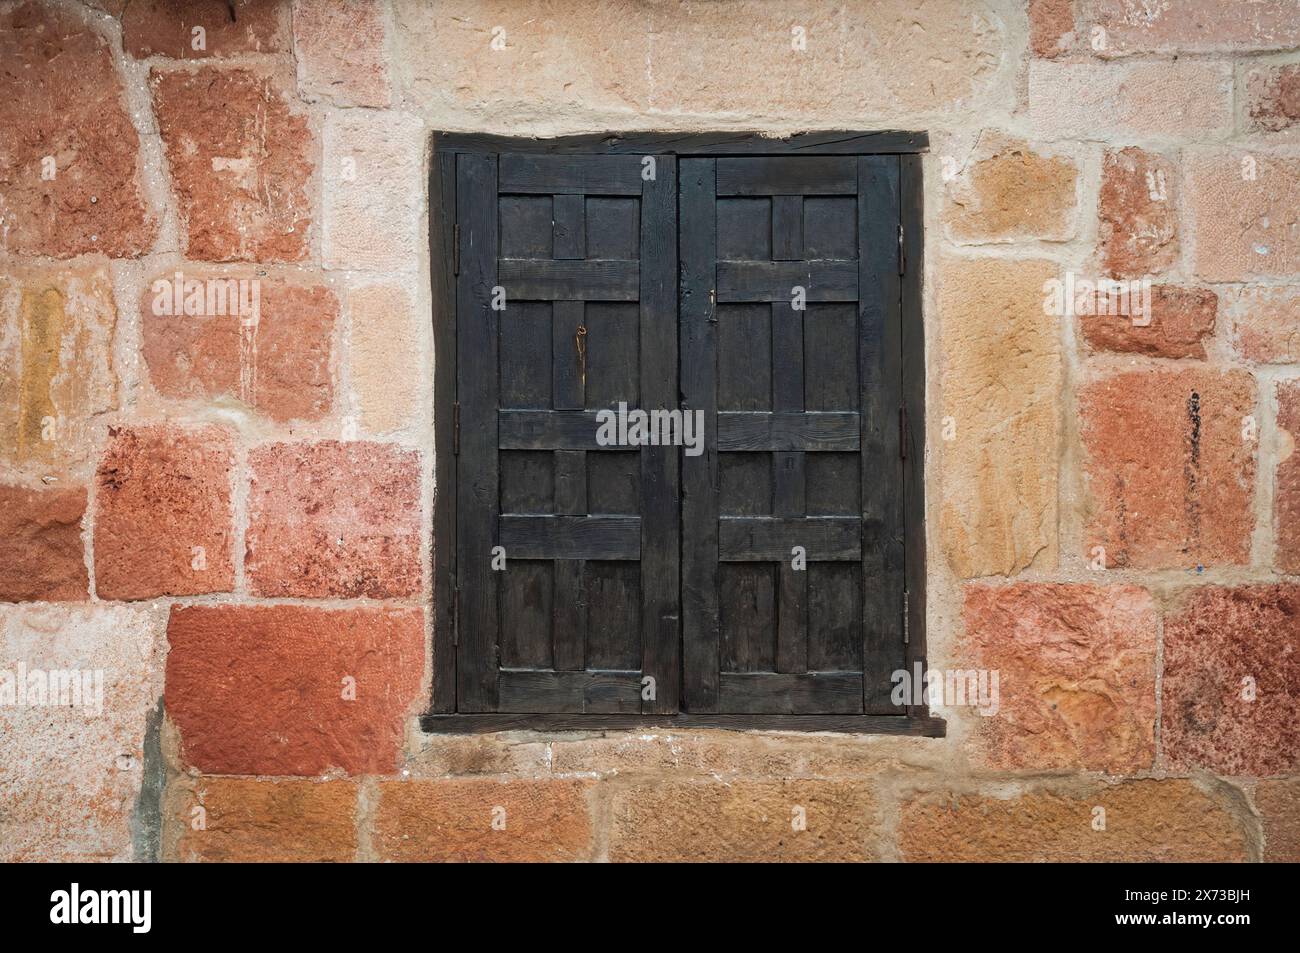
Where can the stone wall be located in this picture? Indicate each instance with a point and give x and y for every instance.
(232, 519)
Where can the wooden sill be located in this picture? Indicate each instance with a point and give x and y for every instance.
(914, 725)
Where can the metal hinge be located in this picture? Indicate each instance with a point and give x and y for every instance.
(906, 637)
(902, 257)
(455, 245)
(902, 433)
(455, 428)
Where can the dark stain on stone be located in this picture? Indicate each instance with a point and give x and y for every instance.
(1192, 475)
(146, 819)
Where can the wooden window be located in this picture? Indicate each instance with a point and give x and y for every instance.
(770, 576)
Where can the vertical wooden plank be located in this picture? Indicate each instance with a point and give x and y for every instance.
(571, 482)
(792, 620)
(698, 329)
(442, 221)
(660, 515)
(569, 619)
(747, 607)
(913, 347)
(879, 378)
(614, 612)
(568, 347)
(789, 480)
(477, 385)
(787, 227)
(570, 227)
(526, 594)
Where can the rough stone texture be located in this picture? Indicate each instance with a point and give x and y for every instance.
(1051, 27)
(373, 192)
(279, 360)
(1161, 821)
(442, 755)
(288, 712)
(1001, 374)
(1273, 96)
(61, 97)
(334, 519)
(1279, 805)
(453, 820)
(70, 779)
(1012, 192)
(1194, 26)
(721, 754)
(342, 52)
(1286, 491)
(162, 492)
(1266, 324)
(57, 334)
(1091, 101)
(744, 821)
(1217, 640)
(240, 160)
(1182, 320)
(386, 368)
(1077, 674)
(166, 27)
(1170, 473)
(1244, 227)
(245, 820)
(41, 553)
(628, 58)
(1138, 234)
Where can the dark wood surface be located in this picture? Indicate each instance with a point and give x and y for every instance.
(693, 144)
(628, 562)
(926, 727)
(477, 466)
(879, 350)
(913, 384)
(442, 254)
(698, 336)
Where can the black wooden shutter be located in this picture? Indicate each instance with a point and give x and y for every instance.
(803, 416)
(584, 250)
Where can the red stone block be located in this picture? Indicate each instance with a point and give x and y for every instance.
(163, 518)
(1182, 319)
(290, 690)
(1139, 225)
(334, 520)
(278, 360)
(240, 161)
(1286, 492)
(1170, 465)
(1076, 674)
(194, 29)
(41, 554)
(1232, 681)
(68, 151)
(1273, 96)
(1051, 26)
(1194, 26)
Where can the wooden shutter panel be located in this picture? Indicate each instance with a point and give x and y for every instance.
(803, 410)
(584, 249)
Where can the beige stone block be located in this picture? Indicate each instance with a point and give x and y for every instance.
(1000, 368)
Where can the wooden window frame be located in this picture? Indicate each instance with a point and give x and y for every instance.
(441, 716)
